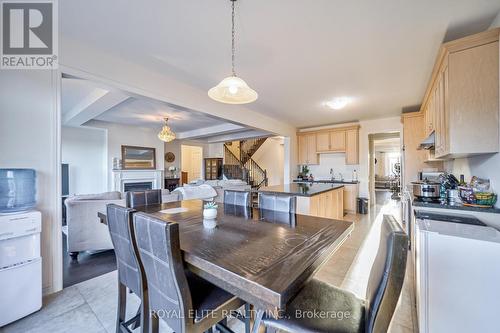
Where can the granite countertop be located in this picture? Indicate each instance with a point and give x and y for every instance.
(326, 181)
(301, 189)
(417, 203)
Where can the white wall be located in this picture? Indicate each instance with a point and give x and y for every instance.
(175, 148)
(29, 138)
(270, 156)
(119, 135)
(85, 150)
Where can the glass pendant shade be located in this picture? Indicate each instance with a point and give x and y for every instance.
(166, 134)
(233, 90)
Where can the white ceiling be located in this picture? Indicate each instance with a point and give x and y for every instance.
(150, 113)
(295, 53)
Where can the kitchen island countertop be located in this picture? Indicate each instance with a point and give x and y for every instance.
(301, 189)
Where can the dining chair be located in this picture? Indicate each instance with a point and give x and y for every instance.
(143, 198)
(237, 198)
(277, 202)
(277, 208)
(130, 273)
(186, 302)
(340, 310)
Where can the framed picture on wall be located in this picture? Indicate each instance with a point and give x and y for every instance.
(138, 157)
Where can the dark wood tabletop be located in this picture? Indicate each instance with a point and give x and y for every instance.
(261, 262)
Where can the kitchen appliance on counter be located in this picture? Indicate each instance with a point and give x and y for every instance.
(426, 190)
(456, 274)
(20, 265)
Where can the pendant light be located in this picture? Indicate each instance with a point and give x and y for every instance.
(233, 90)
(166, 134)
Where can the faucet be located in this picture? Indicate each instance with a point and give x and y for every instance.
(341, 176)
(332, 174)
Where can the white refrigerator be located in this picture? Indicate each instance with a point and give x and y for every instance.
(20, 265)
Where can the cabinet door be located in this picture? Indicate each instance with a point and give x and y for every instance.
(302, 145)
(352, 147)
(323, 141)
(350, 197)
(312, 156)
(337, 141)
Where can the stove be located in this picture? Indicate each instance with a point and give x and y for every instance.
(427, 200)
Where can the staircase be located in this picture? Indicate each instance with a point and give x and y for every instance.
(243, 166)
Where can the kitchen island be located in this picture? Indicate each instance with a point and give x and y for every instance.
(315, 199)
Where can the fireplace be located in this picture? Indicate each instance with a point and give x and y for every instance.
(136, 180)
(137, 186)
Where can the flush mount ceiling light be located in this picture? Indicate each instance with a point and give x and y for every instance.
(233, 90)
(338, 103)
(166, 134)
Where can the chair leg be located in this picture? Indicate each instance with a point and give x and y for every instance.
(270, 330)
(155, 324)
(248, 314)
(139, 313)
(258, 321)
(122, 304)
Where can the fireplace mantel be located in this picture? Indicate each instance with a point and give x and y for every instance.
(121, 177)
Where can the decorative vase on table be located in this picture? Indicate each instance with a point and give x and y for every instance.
(210, 215)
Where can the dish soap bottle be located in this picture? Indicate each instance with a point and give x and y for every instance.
(354, 175)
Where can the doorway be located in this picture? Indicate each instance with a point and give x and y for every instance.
(192, 162)
(385, 167)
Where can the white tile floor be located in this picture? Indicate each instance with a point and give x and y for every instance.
(91, 305)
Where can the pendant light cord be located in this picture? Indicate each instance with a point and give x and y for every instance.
(233, 49)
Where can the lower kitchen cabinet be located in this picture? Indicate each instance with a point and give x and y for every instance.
(351, 192)
(328, 204)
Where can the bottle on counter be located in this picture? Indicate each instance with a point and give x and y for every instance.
(354, 175)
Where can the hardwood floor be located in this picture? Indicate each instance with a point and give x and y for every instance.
(88, 266)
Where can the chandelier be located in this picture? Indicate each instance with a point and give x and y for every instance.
(233, 90)
(166, 134)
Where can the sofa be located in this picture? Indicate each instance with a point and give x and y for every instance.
(221, 185)
(83, 229)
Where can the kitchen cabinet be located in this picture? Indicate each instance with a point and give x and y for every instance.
(337, 140)
(307, 149)
(331, 141)
(351, 193)
(414, 160)
(328, 204)
(352, 146)
(461, 103)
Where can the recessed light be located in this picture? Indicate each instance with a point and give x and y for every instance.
(338, 103)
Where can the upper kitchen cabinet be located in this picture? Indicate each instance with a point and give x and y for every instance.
(461, 104)
(332, 140)
(307, 148)
(352, 146)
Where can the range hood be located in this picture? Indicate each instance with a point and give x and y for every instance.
(428, 143)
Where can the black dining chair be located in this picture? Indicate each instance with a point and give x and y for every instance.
(130, 273)
(277, 208)
(277, 202)
(143, 198)
(342, 311)
(237, 198)
(186, 302)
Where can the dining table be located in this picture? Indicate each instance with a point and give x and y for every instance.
(248, 252)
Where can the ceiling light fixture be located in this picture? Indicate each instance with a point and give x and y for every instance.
(338, 103)
(233, 90)
(166, 134)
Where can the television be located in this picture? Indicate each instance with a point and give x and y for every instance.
(65, 179)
